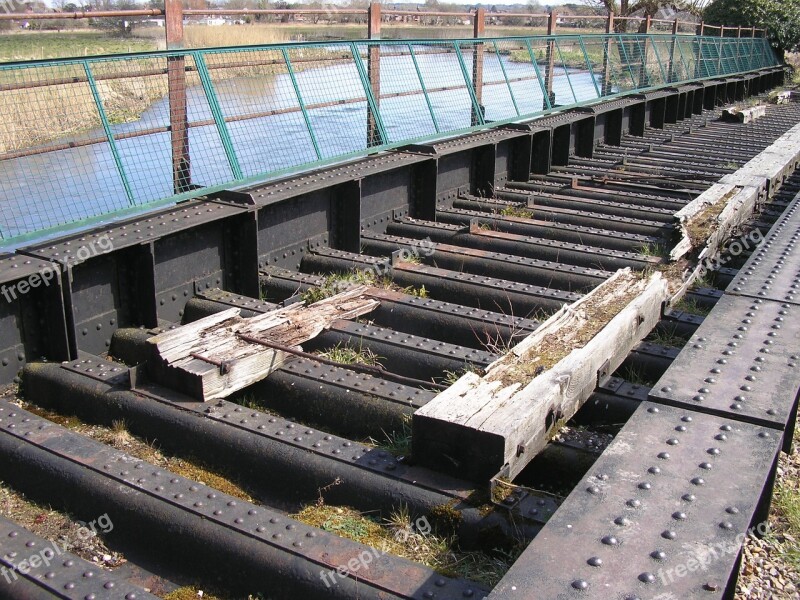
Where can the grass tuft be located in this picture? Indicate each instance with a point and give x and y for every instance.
(346, 355)
(692, 306)
(397, 441)
(667, 336)
(657, 250)
(517, 211)
(397, 535)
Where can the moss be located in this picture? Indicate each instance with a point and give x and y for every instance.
(517, 211)
(557, 345)
(502, 490)
(702, 225)
(189, 592)
(446, 518)
(120, 438)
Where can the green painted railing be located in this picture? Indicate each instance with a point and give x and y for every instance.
(89, 139)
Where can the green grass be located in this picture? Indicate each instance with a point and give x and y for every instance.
(658, 250)
(51, 44)
(691, 306)
(635, 375)
(517, 211)
(398, 441)
(667, 337)
(787, 505)
(346, 355)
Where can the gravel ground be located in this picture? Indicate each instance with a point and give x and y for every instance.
(771, 565)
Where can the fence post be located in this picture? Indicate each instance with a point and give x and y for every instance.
(478, 29)
(607, 54)
(176, 84)
(548, 76)
(374, 71)
(698, 63)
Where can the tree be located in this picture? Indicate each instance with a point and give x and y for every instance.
(644, 8)
(780, 17)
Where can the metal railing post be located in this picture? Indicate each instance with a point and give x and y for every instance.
(112, 144)
(671, 71)
(176, 84)
(478, 30)
(607, 54)
(644, 80)
(548, 75)
(505, 76)
(698, 61)
(374, 71)
(422, 87)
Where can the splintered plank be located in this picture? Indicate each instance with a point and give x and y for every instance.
(708, 220)
(222, 353)
(485, 425)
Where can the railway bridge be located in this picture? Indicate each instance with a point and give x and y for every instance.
(527, 301)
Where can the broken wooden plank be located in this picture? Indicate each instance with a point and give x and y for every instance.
(743, 115)
(785, 97)
(497, 422)
(222, 353)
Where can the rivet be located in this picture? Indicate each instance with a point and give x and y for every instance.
(647, 577)
(610, 540)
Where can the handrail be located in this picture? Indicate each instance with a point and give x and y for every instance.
(87, 138)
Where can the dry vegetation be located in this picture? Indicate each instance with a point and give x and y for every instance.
(596, 314)
(771, 565)
(118, 437)
(398, 536)
(700, 226)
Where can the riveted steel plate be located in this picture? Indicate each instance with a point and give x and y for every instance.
(338, 377)
(60, 573)
(301, 279)
(477, 315)
(773, 270)
(14, 267)
(265, 194)
(672, 492)
(132, 232)
(320, 548)
(743, 362)
(236, 300)
(491, 282)
(390, 337)
(331, 447)
(469, 141)
(624, 389)
(99, 369)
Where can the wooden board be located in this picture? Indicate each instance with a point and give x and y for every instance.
(498, 422)
(744, 115)
(218, 355)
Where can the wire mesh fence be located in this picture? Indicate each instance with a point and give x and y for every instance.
(83, 140)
